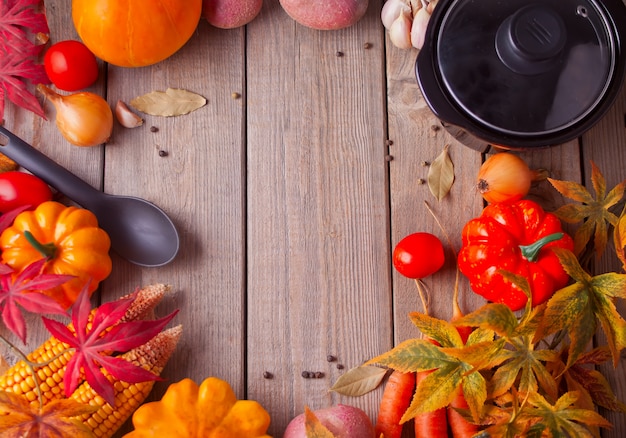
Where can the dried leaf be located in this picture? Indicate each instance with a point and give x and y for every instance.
(563, 418)
(314, 427)
(172, 102)
(436, 391)
(578, 307)
(594, 212)
(441, 175)
(598, 388)
(413, 355)
(437, 329)
(359, 381)
(619, 239)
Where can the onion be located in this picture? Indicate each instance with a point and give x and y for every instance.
(505, 177)
(84, 119)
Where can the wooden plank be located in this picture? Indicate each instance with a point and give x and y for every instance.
(44, 135)
(199, 183)
(605, 145)
(418, 138)
(318, 275)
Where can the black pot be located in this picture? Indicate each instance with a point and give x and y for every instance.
(522, 75)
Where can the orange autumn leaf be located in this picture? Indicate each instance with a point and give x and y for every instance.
(619, 239)
(593, 212)
(314, 427)
(57, 418)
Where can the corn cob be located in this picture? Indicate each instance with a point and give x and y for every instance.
(152, 356)
(19, 379)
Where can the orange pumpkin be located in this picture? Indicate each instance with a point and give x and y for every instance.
(135, 33)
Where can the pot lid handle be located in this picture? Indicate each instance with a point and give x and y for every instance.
(531, 40)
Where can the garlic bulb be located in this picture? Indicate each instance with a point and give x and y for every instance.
(392, 10)
(406, 21)
(84, 119)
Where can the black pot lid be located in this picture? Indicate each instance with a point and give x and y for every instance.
(520, 68)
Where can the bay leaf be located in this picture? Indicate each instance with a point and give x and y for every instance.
(441, 174)
(168, 103)
(358, 381)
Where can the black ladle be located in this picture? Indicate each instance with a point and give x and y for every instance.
(139, 231)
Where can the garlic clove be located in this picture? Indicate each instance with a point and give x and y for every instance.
(400, 31)
(392, 10)
(126, 117)
(418, 29)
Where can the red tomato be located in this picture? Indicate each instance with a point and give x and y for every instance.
(418, 255)
(70, 65)
(19, 189)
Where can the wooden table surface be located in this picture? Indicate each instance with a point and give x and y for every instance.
(290, 199)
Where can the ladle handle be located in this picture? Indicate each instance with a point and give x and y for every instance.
(43, 167)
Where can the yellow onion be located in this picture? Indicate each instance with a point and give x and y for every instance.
(84, 119)
(506, 177)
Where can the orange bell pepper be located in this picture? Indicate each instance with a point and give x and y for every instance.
(69, 237)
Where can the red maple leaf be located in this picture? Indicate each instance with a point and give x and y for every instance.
(20, 20)
(23, 289)
(93, 344)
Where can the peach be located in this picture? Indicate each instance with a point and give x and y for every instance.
(325, 14)
(343, 421)
(229, 14)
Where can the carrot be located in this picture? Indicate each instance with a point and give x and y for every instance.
(430, 424)
(395, 401)
(460, 427)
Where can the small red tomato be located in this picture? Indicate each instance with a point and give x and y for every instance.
(418, 255)
(70, 65)
(19, 189)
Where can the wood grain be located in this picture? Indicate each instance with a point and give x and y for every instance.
(289, 197)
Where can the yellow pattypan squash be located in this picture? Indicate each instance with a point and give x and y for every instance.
(69, 237)
(210, 410)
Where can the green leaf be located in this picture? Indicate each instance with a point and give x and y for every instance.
(437, 329)
(562, 418)
(441, 174)
(359, 381)
(611, 284)
(524, 365)
(496, 317)
(480, 356)
(578, 307)
(480, 335)
(571, 309)
(475, 392)
(571, 265)
(437, 390)
(413, 355)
